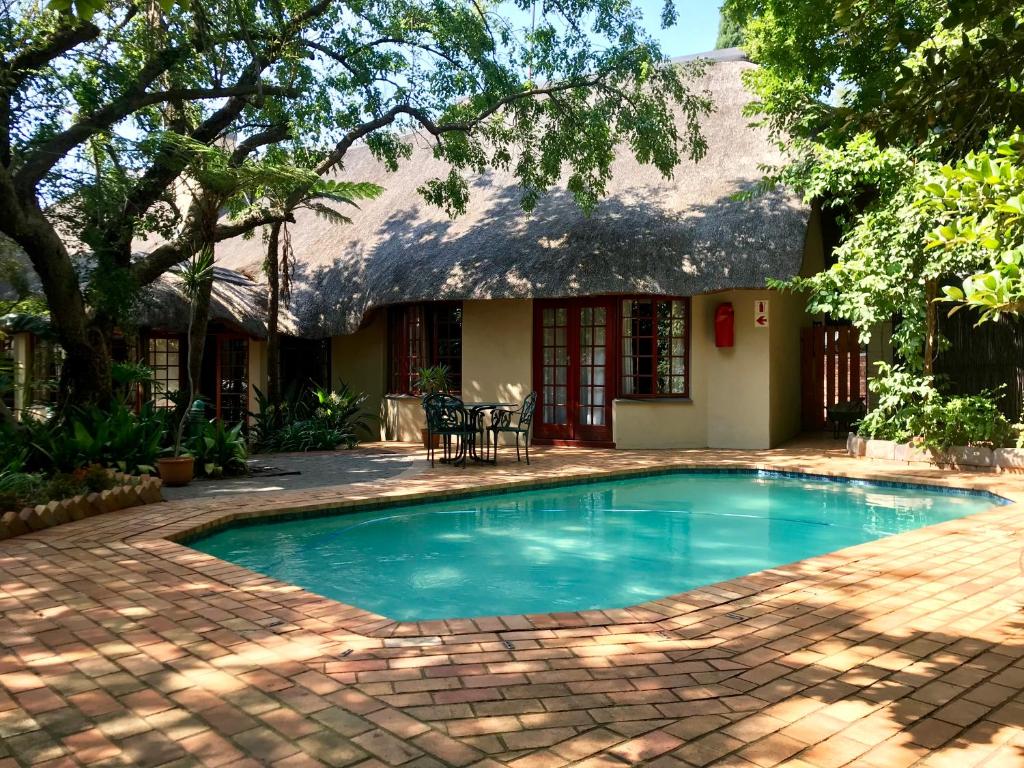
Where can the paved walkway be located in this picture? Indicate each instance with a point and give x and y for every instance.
(122, 647)
(271, 472)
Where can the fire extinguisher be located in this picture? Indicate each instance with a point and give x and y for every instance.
(724, 325)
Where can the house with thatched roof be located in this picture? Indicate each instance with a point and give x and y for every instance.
(610, 318)
(646, 324)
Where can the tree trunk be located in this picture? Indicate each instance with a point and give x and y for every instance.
(85, 375)
(272, 267)
(85, 372)
(197, 335)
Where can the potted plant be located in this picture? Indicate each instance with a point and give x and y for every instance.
(432, 380)
(179, 468)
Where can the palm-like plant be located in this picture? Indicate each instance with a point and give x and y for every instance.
(195, 274)
(433, 379)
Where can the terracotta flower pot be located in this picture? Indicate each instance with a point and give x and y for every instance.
(175, 470)
(436, 439)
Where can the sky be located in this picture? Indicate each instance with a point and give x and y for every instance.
(695, 32)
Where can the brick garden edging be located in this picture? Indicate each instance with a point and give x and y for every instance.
(957, 457)
(130, 491)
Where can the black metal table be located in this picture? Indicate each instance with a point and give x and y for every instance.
(476, 411)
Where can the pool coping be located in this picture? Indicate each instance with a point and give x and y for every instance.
(172, 541)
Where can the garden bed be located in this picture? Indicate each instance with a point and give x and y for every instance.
(957, 457)
(128, 491)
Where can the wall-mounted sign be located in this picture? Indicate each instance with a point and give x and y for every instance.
(761, 313)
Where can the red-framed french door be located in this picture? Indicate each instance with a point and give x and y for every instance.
(573, 369)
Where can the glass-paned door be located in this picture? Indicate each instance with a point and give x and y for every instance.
(553, 389)
(233, 378)
(572, 369)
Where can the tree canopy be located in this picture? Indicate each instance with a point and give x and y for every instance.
(903, 117)
(898, 115)
(110, 109)
(730, 33)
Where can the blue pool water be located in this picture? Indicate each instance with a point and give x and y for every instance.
(600, 545)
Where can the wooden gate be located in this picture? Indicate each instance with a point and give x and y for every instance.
(833, 369)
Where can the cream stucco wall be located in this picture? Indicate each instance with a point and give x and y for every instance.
(673, 423)
(360, 361)
(730, 403)
(746, 396)
(784, 381)
(402, 418)
(257, 371)
(497, 344)
(497, 350)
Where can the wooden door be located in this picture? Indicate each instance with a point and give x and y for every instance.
(833, 369)
(573, 369)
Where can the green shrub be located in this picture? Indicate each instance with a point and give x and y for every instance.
(19, 489)
(966, 420)
(342, 410)
(315, 419)
(115, 437)
(95, 478)
(62, 486)
(305, 435)
(219, 450)
(910, 408)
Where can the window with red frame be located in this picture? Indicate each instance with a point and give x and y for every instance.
(165, 358)
(656, 347)
(423, 335)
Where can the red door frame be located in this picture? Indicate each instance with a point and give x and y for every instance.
(220, 337)
(575, 433)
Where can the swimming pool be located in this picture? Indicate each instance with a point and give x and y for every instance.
(595, 545)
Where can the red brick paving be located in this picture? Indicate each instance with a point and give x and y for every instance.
(120, 647)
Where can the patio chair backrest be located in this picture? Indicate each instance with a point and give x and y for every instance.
(443, 410)
(433, 405)
(526, 412)
(453, 413)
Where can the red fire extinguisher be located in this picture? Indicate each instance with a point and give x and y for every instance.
(724, 325)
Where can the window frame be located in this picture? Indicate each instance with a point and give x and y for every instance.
(152, 394)
(427, 319)
(37, 394)
(622, 356)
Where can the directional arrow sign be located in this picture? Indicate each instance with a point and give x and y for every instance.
(761, 313)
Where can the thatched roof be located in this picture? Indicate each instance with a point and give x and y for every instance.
(681, 236)
(234, 298)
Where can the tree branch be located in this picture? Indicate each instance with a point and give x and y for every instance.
(46, 156)
(271, 135)
(32, 57)
(160, 259)
(439, 129)
(15, 72)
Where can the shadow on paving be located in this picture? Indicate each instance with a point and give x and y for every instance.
(299, 471)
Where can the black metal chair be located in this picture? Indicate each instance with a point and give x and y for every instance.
(501, 422)
(447, 417)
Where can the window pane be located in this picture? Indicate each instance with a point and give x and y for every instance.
(654, 346)
(163, 358)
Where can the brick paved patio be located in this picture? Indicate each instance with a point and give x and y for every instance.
(119, 646)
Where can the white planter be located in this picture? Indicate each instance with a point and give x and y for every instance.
(913, 453)
(970, 456)
(880, 449)
(1009, 458)
(855, 444)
